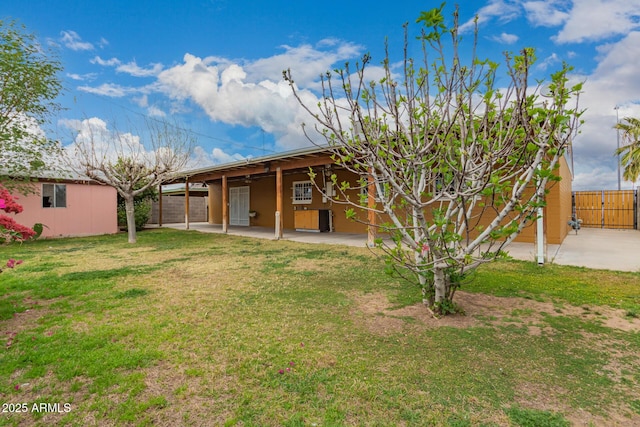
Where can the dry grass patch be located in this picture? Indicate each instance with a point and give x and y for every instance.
(488, 309)
(183, 390)
(376, 313)
(193, 329)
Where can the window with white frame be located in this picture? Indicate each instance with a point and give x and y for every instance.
(440, 186)
(384, 185)
(302, 192)
(54, 196)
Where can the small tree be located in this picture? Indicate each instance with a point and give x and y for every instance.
(29, 85)
(630, 151)
(142, 207)
(121, 161)
(458, 166)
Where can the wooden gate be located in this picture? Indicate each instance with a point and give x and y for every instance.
(606, 208)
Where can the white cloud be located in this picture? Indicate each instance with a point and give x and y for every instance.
(192, 79)
(226, 95)
(99, 143)
(133, 69)
(154, 111)
(143, 101)
(103, 43)
(94, 135)
(219, 156)
(548, 13)
(105, 62)
(506, 38)
(595, 179)
(309, 62)
(201, 158)
(582, 20)
(82, 77)
(253, 93)
(108, 89)
(591, 20)
(548, 61)
(504, 10)
(616, 76)
(73, 41)
(244, 93)
(613, 82)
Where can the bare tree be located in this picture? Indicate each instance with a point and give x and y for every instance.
(122, 161)
(456, 165)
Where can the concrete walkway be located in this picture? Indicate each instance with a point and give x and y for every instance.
(591, 247)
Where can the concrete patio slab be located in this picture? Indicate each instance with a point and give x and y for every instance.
(601, 249)
(347, 239)
(591, 247)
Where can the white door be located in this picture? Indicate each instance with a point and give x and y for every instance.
(239, 206)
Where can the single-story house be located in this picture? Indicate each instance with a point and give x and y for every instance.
(276, 191)
(69, 207)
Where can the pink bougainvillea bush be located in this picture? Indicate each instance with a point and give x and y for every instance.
(10, 230)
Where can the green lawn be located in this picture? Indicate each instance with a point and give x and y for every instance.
(199, 329)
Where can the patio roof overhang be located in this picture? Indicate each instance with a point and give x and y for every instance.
(193, 192)
(276, 166)
(296, 159)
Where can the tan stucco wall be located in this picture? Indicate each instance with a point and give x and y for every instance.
(263, 201)
(91, 210)
(215, 203)
(556, 213)
(558, 210)
(340, 222)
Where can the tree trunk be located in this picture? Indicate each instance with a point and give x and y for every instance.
(131, 218)
(440, 284)
(427, 296)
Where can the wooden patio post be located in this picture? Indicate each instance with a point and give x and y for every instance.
(210, 203)
(371, 215)
(279, 222)
(160, 205)
(225, 205)
(186, 203)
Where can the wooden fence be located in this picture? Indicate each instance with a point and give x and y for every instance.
(607, 208)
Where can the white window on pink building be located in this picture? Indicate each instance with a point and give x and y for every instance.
(54, 196)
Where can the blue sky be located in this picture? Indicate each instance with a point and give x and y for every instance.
(215, 66)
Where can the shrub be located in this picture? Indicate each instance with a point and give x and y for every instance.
(142, 212)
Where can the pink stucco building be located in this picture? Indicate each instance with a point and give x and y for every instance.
(70, 208)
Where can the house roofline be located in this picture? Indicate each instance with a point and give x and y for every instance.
(52, 177)
(254, 161)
